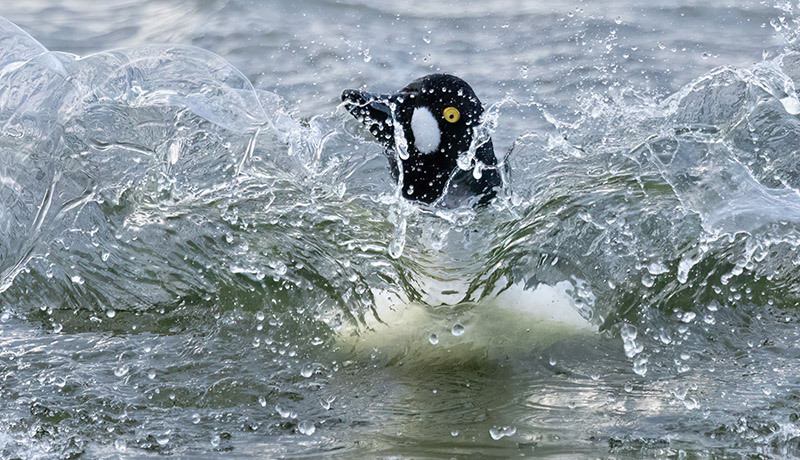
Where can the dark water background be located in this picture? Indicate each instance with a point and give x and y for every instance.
(195, 238)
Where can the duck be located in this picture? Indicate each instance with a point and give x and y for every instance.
(427, 128)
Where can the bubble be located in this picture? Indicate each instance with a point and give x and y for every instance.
(195, 418)
(454, 433)
(111, 313)
(457, 330)
(215, 440)
(151, 375)
(433, 339)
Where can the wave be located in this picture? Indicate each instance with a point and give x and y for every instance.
(154, 190)
(141, 178)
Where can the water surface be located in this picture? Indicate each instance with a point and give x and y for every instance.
(201, 253)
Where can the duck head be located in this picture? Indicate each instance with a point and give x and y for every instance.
(425, 127)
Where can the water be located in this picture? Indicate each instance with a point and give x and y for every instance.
(202, 254)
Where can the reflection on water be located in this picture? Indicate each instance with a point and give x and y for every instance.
(195, 250)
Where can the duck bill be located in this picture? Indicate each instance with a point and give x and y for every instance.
(374, 111)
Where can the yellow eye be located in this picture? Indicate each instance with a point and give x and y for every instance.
(451, 114)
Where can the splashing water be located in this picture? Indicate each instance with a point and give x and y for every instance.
(188, 266)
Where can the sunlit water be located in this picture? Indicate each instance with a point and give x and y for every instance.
(201, 253)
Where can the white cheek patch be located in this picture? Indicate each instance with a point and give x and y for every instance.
(426, 130)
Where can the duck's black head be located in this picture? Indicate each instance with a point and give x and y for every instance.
(428, 124)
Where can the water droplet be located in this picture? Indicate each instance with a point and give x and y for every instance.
(57, 327)
(307, 371)
(151, 375)
(76, 279)
(688, 317)
(260, 316)
(195, 418)
(498, 433)
(477, 171)
(279, 267)
(328, 402)
(111, 313)
(396, 248)
(657, 268)
(454, 433)
(629, 333)
(163, 438)
(122, 371)
(640, 365)
(457, 330)
(284, 413)
(307, 427)
(433, 339)
(215, 440)
(174, 151)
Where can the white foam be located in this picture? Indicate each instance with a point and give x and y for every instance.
(515, 321)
